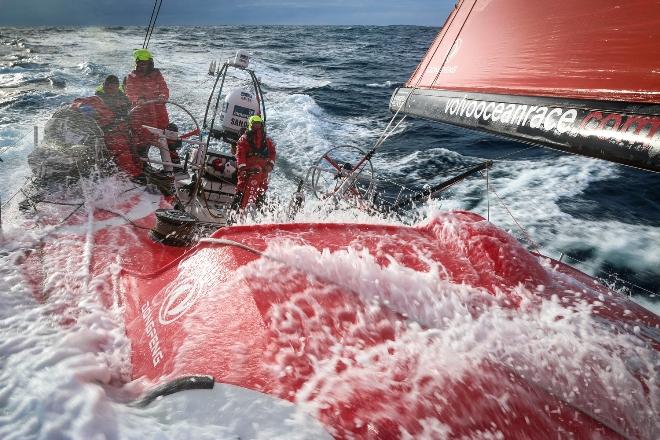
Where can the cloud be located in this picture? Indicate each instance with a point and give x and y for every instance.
(218, 12)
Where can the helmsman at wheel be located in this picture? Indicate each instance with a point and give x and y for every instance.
(255, 159)
(146, 89)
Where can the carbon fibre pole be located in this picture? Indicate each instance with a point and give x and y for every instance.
(442, 186)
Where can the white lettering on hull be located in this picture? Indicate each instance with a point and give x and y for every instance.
(150, 330)
(544, 118)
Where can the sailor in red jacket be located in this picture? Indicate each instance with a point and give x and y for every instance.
(146, 89)
(116, 133)
(109, 108)
(255, 159)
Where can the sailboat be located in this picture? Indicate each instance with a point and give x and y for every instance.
(304, 326)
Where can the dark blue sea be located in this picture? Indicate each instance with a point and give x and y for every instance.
(324, 87)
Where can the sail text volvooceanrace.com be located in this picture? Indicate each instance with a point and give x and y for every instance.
(630, 128)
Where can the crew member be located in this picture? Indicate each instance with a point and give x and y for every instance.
(255, 159)
(148, 92)
(116, 133)
(113, 96)
(109, 108)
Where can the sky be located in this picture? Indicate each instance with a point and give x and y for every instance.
(219, 12)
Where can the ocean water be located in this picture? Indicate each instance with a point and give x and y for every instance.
(324, 87)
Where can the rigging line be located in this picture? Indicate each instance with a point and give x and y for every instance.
(612, 274)
(440, 37)
(527, 236)
(385, 134)
(537, 247)
(381, 140)
(52, 202)
(71, 214)
(154, 25)
(144, 43)
(16, 193)
(594, 265)
(591, 265)
(458, 34)
(123, 217)
(130, 189)
(516, 152)
(355, 174)
(391, 131)
(41, 239)
(487, 195)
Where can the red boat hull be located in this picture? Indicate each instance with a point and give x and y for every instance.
(279, 326)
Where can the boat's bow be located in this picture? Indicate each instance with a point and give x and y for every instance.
(386, 330)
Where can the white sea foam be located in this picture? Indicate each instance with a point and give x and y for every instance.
(462, 327)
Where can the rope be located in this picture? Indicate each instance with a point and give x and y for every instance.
(385, 135)
(392, 130)
(19, 190)
(387, 132)
(355, 174)
(153, 10)
(71, 214)
(124, 217)
(444, 33)
(537, 248)
(80, 205)
(611, 274)
(152, 23)
(458, 34)
(487, 196)
(535, 245)
(516, 152)
(382, 138)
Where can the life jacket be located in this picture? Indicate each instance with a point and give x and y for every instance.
(117, 102)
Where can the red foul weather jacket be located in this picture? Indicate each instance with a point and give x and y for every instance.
(142, 88)
(253, 154)
(100, 112)
(115, 131)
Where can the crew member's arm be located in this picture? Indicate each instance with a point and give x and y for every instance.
(241, 153)
(132, 92)
(163, 91)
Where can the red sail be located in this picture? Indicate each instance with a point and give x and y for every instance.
(578, 76)
(587, 49)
